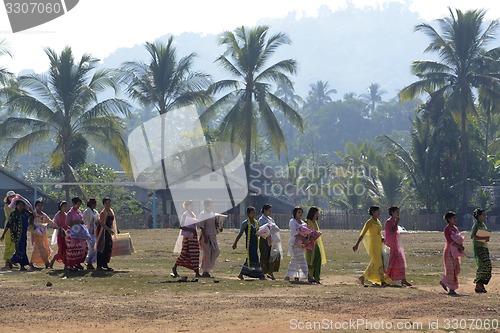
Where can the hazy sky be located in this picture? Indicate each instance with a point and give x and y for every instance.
(101, 26)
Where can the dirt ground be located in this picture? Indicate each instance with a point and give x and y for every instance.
(270, 306)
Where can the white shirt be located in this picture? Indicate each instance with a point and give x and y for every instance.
(91, 218)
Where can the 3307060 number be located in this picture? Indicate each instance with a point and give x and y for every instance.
(33, 8)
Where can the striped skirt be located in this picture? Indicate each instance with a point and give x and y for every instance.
(76, 251)
(190, 253)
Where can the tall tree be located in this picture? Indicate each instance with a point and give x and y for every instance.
(248, 52)
(319, 95)
(460, 71)
(63, 104)
(165, 83)
(287, 94)
(373, 97)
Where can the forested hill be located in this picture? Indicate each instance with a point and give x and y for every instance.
(350, 48)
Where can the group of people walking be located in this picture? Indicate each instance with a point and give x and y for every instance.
(454, 250)
(188, 245)
(88, 238)
(262, 235)
(382, 243)
(382, 274)
(80, 237)
(371, 236)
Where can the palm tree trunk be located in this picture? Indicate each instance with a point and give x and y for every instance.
(248, 149)
(248, 144)
(163, 167)
(487, 141)
(464, 161)
(66, 172)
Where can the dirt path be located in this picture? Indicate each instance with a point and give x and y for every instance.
(292, 308)
(142, 301)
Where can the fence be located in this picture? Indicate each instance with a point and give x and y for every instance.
(429, 222)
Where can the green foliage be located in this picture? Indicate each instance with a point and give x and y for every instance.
(464, 66)
(338, 122)
(77, 153)
(165, 82)
(63, 106)
(123, 197)
(318, 96)
(250, 100)
(5, 75)
(484, 197)
(365, 176)
(427, 156)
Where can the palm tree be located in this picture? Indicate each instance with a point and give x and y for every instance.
(4, 73)
(247, 53)
(463, 68)
(430, 164)
(165, 83)
(355, 177)
(287, 94)
(319, 95)
(373, 97)
(62, 105)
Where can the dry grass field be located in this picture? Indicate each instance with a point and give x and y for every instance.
(140, 296)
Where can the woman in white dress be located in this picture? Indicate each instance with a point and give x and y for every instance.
(91, 220)
(297, 268)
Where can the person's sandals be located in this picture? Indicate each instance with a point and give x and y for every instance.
(241, 277)
(406, 283)
(269, 276)
(442, 285)
(206, 275)
(452, 293)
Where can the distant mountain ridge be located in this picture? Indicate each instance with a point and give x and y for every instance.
(350, 48)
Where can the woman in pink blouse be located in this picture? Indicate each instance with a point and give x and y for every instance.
(396, 269)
